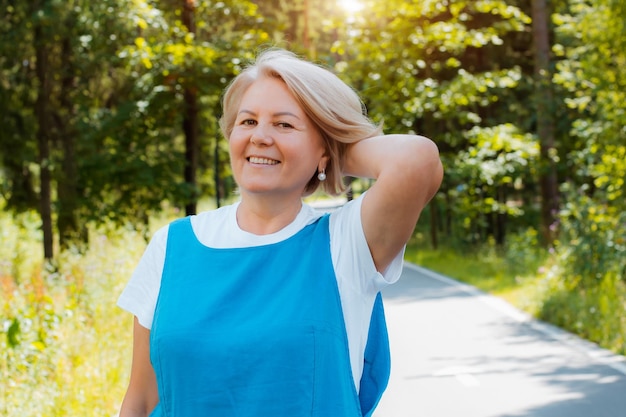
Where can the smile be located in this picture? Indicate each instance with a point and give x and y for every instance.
(262, 161)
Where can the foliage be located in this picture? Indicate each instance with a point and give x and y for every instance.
(592, 247)
(63, 341)
(117, 71)
(590, 72)
(430, 64)
(588, 298)
(17, 156)
(596, 314)
(452, 71)
(490, 177)
(448, 69)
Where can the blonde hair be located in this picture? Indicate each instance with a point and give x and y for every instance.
(335, 109)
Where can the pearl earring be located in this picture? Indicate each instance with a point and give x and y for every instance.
(321, 175)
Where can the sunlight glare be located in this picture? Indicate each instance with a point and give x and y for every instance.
(351, 6)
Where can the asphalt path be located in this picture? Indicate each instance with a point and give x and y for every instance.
(457, 352)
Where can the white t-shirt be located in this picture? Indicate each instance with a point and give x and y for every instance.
(357, 278)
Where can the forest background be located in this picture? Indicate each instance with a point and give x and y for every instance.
(109, 116)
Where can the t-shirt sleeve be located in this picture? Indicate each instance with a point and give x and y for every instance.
(141, 293)
(351, 254)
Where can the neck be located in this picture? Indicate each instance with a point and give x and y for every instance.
(265, 216)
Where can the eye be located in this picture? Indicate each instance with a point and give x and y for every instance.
(248, 122)
(284, 125)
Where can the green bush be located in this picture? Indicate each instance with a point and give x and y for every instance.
(589, 295)
(593, 243)
(596, 314)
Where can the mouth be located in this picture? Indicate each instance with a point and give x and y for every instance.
(262, 161)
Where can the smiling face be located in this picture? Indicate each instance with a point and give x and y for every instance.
(274, 147)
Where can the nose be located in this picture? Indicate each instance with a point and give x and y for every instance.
(261, 136)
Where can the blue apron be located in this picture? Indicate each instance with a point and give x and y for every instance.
(259, 332)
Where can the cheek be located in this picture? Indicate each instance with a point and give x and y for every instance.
(309, 159)
(235, 143)
(318, 149)
(319, 144)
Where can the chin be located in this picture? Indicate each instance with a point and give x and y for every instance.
(255, 188)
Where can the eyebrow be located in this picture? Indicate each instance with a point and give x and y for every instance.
(280, 113)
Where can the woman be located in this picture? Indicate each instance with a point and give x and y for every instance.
(267, 307)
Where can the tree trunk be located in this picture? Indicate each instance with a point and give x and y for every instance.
(43, 143)
(545, 120)
(190, 121)
(67, 182)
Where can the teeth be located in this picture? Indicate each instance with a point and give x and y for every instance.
(264, 161)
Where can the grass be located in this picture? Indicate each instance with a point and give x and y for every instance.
(66, 346)
(522, 283)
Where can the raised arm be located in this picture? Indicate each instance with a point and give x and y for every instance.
(408, 173)
(142, 395)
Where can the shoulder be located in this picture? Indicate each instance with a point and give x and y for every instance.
(158, 242)
(210, 219)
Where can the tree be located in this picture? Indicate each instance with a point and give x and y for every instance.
(18, 149)
(545, 119)
(444, 69)
(107, 108)
(42, 110)
(590, 71)
(190, 118)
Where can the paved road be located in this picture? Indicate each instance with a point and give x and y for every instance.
(457, 352)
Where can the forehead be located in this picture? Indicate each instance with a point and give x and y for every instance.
(268, 92)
